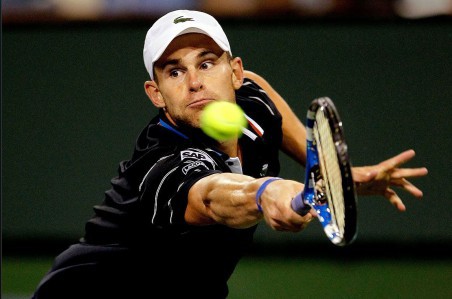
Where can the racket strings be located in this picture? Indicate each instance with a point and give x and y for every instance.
(330, 169)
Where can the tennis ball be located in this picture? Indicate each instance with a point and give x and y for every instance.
(223, 120)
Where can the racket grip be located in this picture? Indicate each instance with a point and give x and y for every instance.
(299, 206)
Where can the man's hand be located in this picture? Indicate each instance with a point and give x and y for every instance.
(379, 179)
(276, 203)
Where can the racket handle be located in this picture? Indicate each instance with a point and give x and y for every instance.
(299, 206)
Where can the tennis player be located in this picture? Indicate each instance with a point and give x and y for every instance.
(183, 210)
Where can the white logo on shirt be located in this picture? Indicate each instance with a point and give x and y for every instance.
(195, 155)
(192, 165)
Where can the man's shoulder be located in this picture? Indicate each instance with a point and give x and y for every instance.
(250, 87)
(254, 100)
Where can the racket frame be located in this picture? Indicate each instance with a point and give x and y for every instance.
(308, 198)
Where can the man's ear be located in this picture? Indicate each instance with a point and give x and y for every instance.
(153, 93)
(237, 72)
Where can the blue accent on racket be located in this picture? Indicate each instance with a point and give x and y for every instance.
(329, 189)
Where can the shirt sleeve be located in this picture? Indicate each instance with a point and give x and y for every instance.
(164, 189)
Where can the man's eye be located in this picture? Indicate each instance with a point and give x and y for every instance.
(206, 65)
(174, 73)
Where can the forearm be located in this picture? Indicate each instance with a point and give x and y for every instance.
(225, 198)
(230, 199)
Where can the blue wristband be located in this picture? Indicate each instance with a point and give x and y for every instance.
(261, 190)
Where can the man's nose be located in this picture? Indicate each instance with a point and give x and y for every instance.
(194, 81)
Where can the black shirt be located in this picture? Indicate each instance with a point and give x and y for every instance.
(141, 219)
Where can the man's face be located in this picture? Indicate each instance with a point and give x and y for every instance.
(192, 72)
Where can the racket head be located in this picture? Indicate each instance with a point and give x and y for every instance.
(329, 185)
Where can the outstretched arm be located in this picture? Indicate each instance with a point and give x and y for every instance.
(230, 199)
(376, 179)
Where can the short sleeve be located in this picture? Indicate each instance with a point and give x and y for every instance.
(164, 189)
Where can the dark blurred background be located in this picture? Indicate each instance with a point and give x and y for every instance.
(25, 11)
(73, 104)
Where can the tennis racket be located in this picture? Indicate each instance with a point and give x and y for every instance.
(329, 187)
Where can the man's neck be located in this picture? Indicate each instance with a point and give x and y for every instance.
(231, 148)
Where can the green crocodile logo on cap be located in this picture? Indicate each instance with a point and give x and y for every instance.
(181, 19)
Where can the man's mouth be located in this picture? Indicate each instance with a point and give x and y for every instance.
(199, 103)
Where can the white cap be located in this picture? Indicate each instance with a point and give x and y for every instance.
(176, 23)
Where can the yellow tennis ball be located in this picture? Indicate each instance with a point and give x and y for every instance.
(223, 120)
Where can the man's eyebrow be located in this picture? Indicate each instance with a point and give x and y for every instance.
(205, 53)
(177, 61)
(169, 62)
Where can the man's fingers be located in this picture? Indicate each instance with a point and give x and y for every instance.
(407, 186)
(294, 226)
(394, 199)
(409, 172)
(400, 159)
